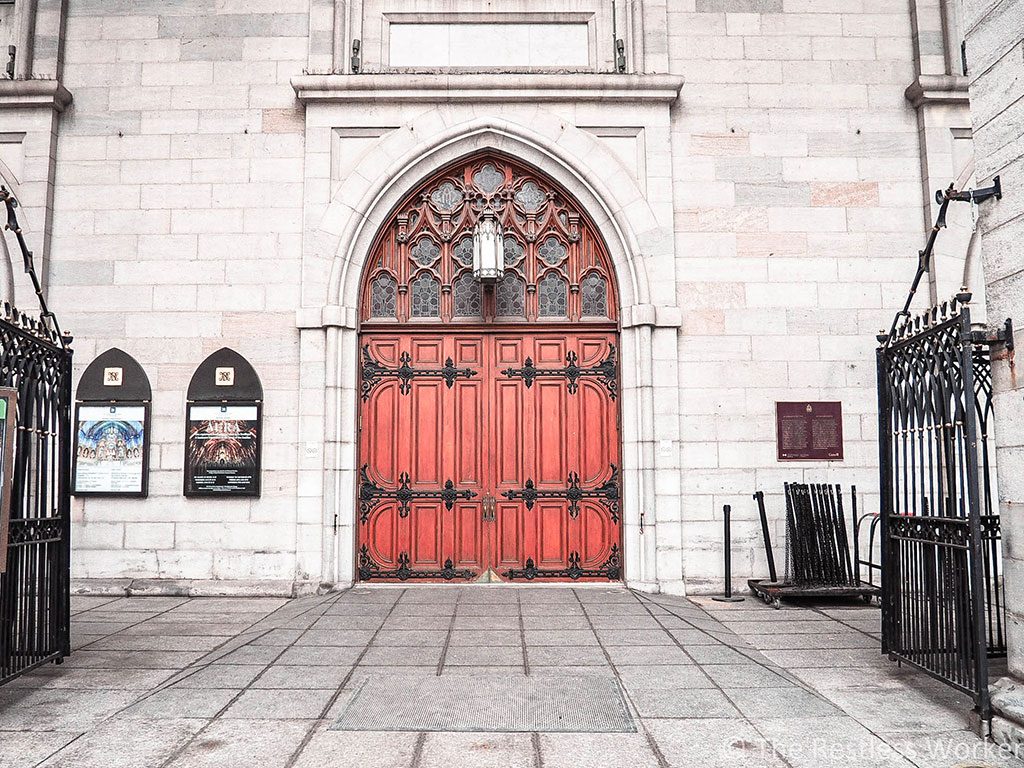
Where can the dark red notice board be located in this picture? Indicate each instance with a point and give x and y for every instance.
(809, 431)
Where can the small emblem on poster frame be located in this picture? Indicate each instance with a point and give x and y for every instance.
(224, 377)
(113, 377)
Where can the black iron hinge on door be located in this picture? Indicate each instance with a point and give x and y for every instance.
(373, 372)
(607, 494)
(606, 372)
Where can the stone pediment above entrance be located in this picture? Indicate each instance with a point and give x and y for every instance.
(491, 87)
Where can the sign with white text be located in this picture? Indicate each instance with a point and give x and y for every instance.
(222, 449)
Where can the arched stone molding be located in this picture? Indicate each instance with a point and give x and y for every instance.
(625, 218)
(638, 243)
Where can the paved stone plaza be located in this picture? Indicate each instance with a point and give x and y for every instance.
(161, 681)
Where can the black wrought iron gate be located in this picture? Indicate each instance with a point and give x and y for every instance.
(942, 607)
(35, 587)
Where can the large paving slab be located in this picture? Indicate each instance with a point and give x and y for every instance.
(177, 682)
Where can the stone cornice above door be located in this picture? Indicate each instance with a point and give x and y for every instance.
(496, 87)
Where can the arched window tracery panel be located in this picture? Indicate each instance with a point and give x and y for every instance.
(467, 296)
(557, 268)
(383, 296)
(426, 299)
(553, 296)
(510, 296)
(594, 294)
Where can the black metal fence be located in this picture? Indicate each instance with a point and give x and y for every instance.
(942, 608)
(35, 586)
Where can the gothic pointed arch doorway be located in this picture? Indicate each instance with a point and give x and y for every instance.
(489, 441)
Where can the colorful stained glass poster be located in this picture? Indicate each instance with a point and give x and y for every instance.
(110, 449)
(8, 400)
(222, 450)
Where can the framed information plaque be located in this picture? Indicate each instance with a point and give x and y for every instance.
(809, 431)
(111, 449)
(8, 437)
(224, 428)
(222, 449)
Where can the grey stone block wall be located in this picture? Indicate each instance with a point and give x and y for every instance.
(177, 221)
(995, 56)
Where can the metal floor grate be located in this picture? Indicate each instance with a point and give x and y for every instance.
(499, 703)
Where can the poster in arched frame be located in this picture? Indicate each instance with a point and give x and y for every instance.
(112, 428)
(223, 428)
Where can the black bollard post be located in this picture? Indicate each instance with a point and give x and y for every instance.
(766, 533)
(728, 597)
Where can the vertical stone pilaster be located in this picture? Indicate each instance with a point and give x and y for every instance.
(994, 34)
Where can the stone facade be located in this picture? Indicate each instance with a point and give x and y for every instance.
(761, 172)
(995, 57)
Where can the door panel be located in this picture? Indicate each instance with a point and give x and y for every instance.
(569, 430)
(424, 421)
(492, 452)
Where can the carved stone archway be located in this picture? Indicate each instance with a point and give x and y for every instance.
(637, 242)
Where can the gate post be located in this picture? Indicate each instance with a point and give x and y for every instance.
(884, 486)
(978, 638)
(64, 497)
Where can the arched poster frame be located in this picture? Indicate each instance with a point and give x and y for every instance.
(112, 428)
(223, 429)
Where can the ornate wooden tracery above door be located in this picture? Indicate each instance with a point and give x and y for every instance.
(489, 436)
(556, 266)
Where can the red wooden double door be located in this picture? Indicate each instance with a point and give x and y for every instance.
(489, 454)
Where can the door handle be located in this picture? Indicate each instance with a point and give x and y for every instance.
(489, 511)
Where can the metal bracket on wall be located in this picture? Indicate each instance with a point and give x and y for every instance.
(943, 197)
(1002, 335)
(357, 59)
(970, 195)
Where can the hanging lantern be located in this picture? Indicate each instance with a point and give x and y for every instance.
(488, 250)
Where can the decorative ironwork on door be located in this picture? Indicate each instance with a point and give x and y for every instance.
(371, 494)
(943, 608)
(374, 372)
(607, 493)
(606, 371)
(611, 569)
